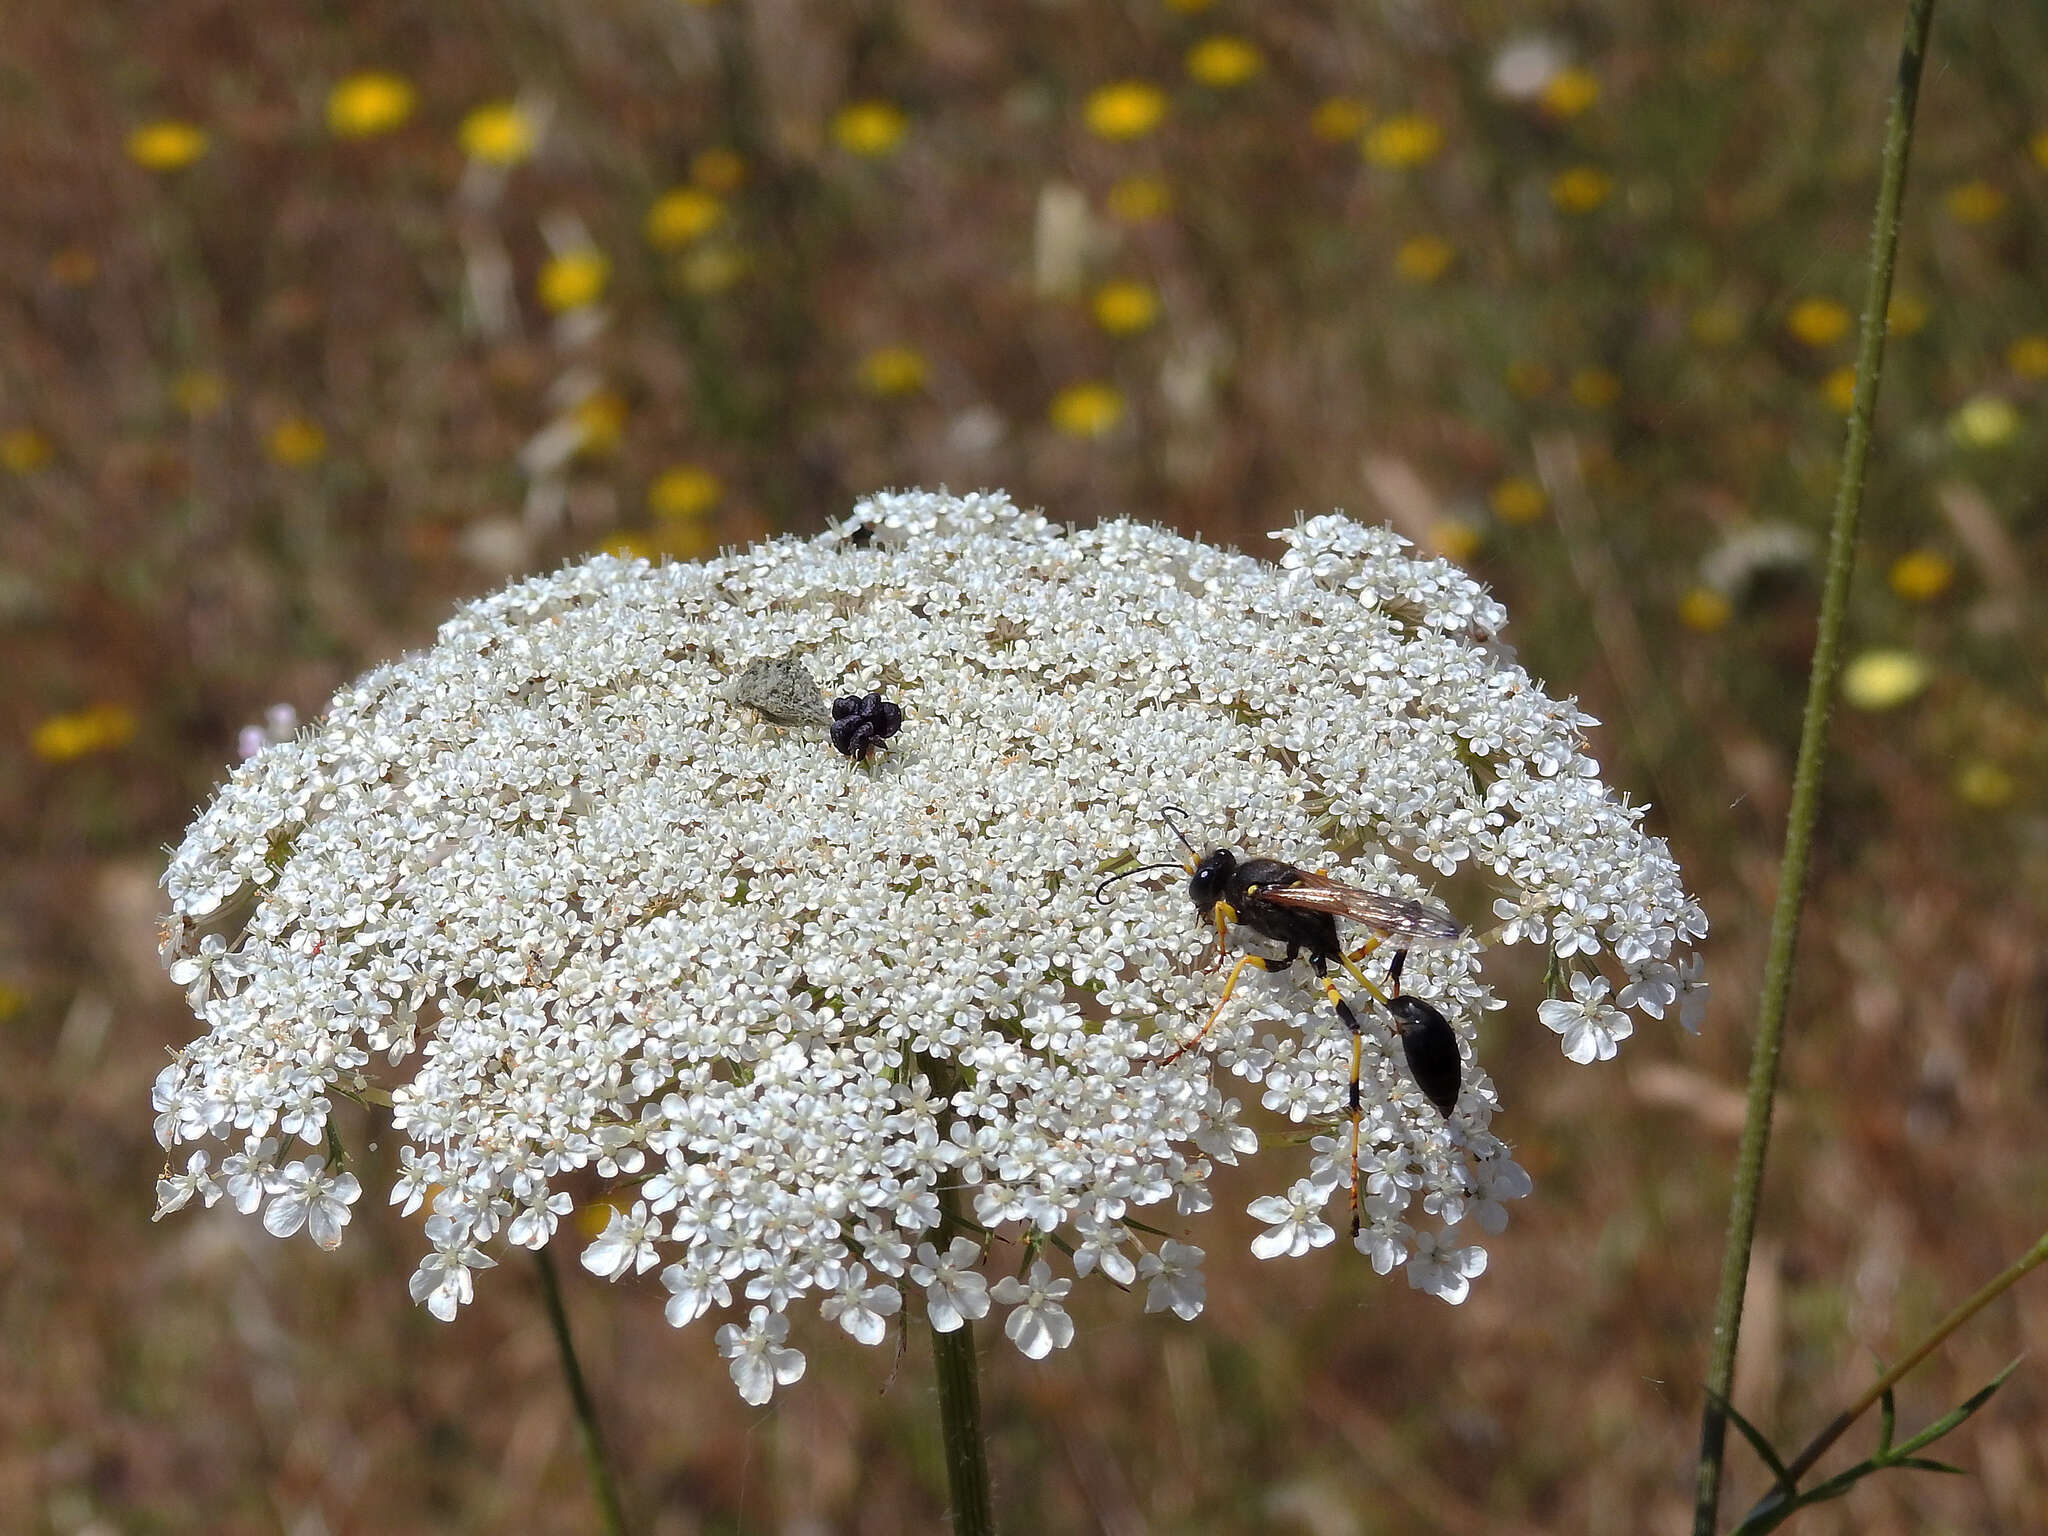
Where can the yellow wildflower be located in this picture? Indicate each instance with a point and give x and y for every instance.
(167, 145)
(1518, 499)
(1716, 324)
(1905, 315)
(1129, 109)
(1339, 119)
(681, 215)
(1189, 7)
(893, 371)
(500, 133)
(625, 544)
(719, 170)
(871, 128)
(1922, 575)
(1884, 679)
(1125, 308)
(684, 491)
(198, 394)
(1985, 422)
(1839, 388)
(601, 416)
(1456, 538)
(65, 738)
(1223, 61)
(1818, 322)
(573, 279)
(24, 450)
(1595, 388)
(12, 1000)
(1087, 410)
(1974, 202)
(2039, 145)
(296, 442)
(1570, 92)
(1528, 379)
(1401, 142)
(362, 106)
(1424, 258)
(1140, 199)
(2028, 357)
(1703, 610)
(1581, 189)
(1984, 785)
(74, 267)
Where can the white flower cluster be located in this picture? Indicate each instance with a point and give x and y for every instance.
(577, 913)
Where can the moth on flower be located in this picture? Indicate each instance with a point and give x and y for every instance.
(572, 915)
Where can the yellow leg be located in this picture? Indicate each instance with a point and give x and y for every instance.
(1365, 981)
(1229, 987)
(1224, 914)
(1356, 1100)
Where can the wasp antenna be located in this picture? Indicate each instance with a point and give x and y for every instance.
(1142, 869)
(1166, 814)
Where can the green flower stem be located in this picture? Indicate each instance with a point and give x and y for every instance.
(960, 1407)
(610, 1515)
(2032, 1259)
(1806, 779)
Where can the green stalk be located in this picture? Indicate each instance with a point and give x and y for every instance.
(954, 1360)
(611, 1516)
(1806, 779)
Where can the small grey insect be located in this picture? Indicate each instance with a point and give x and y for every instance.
(781, 690)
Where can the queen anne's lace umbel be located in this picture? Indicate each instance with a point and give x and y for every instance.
(578, 912)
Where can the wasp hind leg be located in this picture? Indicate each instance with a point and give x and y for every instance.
(1354, 1102)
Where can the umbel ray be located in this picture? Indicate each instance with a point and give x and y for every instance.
(1299, 908)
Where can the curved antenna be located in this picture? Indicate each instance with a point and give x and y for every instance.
(1166, 814)
(1142, 869)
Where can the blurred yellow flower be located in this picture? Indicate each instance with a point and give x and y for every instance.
(1224, 61)
(710, 268)
(601, 419)
(1974, 202)
(24, 450)
(167, 145)
(361, 106)
(1129, 109)
(1595, 388)
(2028, 357)
(573, 279)
(1400, 142)
(65, 738)
(719, 170)
(1704, 610)
(296, 442)
(1716, 324)
(1839, 388)
(2039, 145)
(1124, 308)
(1905, 315)
(1528, 379)
(1087, 410)
(74, 267)
(893, 371)
(1570, 92)
(1884, 679)
(12, 1001)
(501, 133)
(198, 394)
(684, 491)
(682, 215)
(1189, 7)
(625, 544)
(1424, 258)
(1922, 575)
(1581, 189)
(1339, 119)
(1456, 538)
(871, 128)
(1140, 199)
(1518, 499)
(1984, 785)
(1818, 322)
(1985, 422)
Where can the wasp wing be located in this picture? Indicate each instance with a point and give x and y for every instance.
(1393, 916)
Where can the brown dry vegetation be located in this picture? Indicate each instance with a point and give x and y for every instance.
(1637, 349)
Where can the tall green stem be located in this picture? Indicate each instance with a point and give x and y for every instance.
(954, 1359)
(1806, 779)
(611, 1516)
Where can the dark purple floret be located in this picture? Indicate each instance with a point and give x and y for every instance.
(859, 724)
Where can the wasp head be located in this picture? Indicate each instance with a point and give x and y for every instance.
(1209, 881)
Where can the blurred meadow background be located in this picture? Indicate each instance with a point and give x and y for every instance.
(315, 320)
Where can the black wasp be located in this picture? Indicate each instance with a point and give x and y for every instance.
(1299, 908)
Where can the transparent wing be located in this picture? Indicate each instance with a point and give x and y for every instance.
(1391, 915)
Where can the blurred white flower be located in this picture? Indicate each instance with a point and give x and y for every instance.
(576, 912)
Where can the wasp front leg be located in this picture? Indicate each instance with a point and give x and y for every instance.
(1229, 987)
